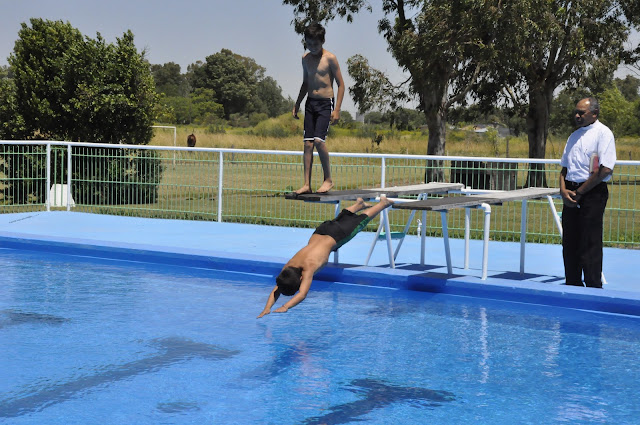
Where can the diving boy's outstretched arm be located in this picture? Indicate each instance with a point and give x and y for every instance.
(273, 297)
(305, 284)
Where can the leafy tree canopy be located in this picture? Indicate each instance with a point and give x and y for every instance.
(236, 82)
(231, 77)
(5, 72)
(629, 87)
(70, 87)
(169, 80)
(546, 45)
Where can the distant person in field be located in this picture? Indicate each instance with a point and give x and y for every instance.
(587, 165)
(320, 69)
(297, 274)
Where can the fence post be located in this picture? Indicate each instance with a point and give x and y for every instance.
(48, 171)
(220, 178)
(69, 177)
(383, 172)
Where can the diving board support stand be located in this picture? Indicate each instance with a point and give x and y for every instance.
(384, 222)
(423, 237)
(387, 228)
(467, 236)
(523, 234)
(445, 237)
(485, 245)
(486, 208)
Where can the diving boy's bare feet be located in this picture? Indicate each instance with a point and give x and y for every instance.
(326, 186)
(361, 205)
(386, 202)
(304, 189)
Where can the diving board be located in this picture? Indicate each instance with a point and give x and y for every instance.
(336, 196)
(443, 205)
(389, 192)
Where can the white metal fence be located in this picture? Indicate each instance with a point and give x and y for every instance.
(247, 185)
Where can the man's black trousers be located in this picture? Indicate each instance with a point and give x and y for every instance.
(582, 236)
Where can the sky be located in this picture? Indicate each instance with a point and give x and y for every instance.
(190, 30)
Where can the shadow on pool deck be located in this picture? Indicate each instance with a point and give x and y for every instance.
(264, 249)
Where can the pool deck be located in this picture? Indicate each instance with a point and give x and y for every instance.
(248, 248)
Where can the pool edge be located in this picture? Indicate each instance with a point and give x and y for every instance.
(603, 300)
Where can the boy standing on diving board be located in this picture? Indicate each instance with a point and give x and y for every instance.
(297, 274)
(320, 69)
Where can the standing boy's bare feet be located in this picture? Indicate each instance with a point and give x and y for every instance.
(326, 186)
(304, 189)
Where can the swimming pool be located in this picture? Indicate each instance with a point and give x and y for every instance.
(89, 341)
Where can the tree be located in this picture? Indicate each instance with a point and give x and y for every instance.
(628, 87)
(71, 88)
(239, 84)
(565, 44)
(441, 44)
(169, 80)
(5, 72)
(374, 117)
(346, 119)
(68, 87)
(11, 124)
(40, 65)
(405, 119)
(372, 88)
(617, 112)
(230, 78)
(206, 110)
(267, 99)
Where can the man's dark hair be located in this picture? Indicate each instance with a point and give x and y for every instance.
(315, 31)
(288, 280)
(594, 106)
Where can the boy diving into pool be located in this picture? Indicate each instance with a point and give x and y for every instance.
(297, 274)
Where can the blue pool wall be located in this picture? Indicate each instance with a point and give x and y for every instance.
(609, 301)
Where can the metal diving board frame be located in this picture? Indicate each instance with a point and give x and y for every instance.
(483, 201)
(335, 197)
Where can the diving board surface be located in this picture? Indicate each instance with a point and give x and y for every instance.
(390, 192)
(452, 202)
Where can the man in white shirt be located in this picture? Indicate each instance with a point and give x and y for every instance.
(587, 164)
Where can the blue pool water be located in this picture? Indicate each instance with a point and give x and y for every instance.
(87, 341)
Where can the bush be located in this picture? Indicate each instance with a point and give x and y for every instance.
(104, 177)
(215, 129)
(280, 127)
(256, 118)
(82, 90)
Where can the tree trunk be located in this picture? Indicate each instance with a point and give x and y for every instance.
(436, 121)
(537, 131)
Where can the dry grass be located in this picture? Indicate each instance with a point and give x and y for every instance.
(459, 143)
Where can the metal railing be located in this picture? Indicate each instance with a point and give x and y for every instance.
(246, 186)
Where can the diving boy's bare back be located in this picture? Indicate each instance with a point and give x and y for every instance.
(314, 256)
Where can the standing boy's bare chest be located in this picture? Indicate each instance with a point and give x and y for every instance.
(317, 67)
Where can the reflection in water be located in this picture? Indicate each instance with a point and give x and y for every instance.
(293, 354)
(580, 372)
(173, 350)
(484, 346)
(14, 317)
(178, 407)
(377, 395)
